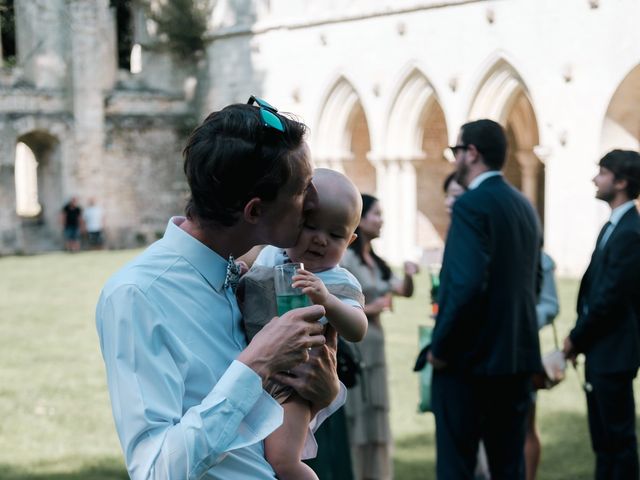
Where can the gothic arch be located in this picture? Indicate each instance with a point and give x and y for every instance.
(412, 102)
(504, 97)
(343, 141)
(416, 139)
(46, 149)
(497, 91)
(621, 123)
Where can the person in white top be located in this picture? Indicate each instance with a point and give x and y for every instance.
(93, 221)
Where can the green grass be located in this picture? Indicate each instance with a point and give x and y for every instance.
(56, 419)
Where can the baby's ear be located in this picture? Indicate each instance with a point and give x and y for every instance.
(352, 239)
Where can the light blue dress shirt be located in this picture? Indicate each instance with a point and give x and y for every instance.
(169, 333)
(475, 183)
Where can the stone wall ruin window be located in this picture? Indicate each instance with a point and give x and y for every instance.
(7, 33)
(26, 177)
(124, 31)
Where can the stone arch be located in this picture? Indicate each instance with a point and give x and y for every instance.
(416, 139)
(343, 141)
(414, 97)
(504, 97)
(40, 231)
(497, 92)
(621, 123)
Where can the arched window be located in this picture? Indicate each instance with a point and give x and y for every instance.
(7, 32)
(124, 27)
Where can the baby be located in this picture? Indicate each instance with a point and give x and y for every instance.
(327, 232)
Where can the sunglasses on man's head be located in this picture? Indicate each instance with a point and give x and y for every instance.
(267, 114)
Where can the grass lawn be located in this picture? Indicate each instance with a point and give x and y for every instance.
(54, 405)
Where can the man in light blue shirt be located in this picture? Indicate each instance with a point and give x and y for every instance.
(186, 389)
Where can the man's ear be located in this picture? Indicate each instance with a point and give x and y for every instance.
(253, 210)
(352, 239)
(620, 184)
(474, 154)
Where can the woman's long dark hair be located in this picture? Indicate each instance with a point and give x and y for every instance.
(367, 202)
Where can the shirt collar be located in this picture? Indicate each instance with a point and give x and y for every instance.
(475, 183)
(618, 212)
(210, 265)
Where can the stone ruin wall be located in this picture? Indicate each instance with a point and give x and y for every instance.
(96, 131)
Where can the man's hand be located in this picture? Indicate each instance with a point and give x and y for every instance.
(317, 379)
(569, 351)
(378, 306)
(284, 342)
(311, 286)
(436, 362)
(411, 268)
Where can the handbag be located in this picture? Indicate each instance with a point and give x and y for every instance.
(424, 368)
(348, 363)
(554, 366)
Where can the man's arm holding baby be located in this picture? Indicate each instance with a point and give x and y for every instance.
(349, 321)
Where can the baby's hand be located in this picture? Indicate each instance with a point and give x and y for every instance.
(242, 266)
(311, 286)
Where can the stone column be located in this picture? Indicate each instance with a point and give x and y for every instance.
(396, 190)
(87, 99)
(10, 232)
(41, 28)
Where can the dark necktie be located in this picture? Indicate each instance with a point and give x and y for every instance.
(599, 242)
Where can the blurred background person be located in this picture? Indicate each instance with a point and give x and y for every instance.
(483, 356)
(607, 330)
(367, 406)
(94, 223)
(452, 190)
(547, 310)
(72, 224)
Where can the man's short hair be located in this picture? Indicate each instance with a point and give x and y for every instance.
(625, 165)
(233, 157)
(489, 139)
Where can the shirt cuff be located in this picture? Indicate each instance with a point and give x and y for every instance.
(241, 385)
(242, 388)
(310, 448)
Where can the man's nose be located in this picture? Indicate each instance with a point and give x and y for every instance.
(310, 198)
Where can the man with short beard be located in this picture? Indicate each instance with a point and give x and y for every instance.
(485, 341)
(608, 327)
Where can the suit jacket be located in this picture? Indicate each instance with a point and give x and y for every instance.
(490, 275)
(607, 330)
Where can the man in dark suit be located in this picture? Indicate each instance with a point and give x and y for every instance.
(485, 342)
(608, 327)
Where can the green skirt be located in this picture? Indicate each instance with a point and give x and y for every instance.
(333, 461)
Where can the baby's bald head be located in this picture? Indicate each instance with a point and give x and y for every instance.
(338, 194)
